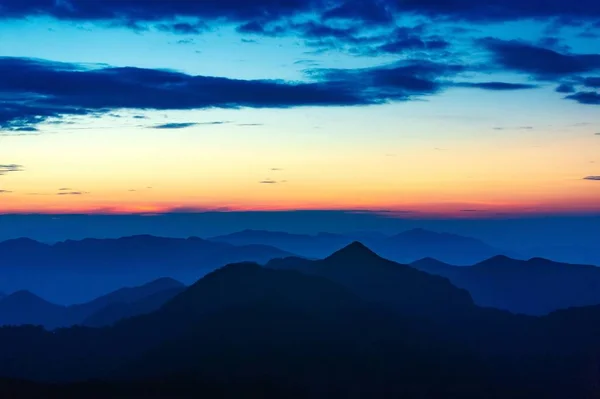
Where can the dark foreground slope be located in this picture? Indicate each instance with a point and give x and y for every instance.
(537, 286)
(245, 330)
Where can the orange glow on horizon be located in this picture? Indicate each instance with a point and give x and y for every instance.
(405, 210)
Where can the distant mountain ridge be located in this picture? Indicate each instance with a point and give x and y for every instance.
(24, 307)
(404, 247)
(536, 286)
(75, 271)
(312, 246)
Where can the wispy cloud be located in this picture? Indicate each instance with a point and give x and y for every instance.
(7, 168)
(174, 125)
(183, 28)
(594, 178)
(514, 128)
(72, 193)
(5, 191)
(214, 123)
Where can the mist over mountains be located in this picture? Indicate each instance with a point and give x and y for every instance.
(405, 247)
(294, 315)
(535, 236)
(77, 271)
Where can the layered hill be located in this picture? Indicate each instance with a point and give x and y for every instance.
(77, 271)
(536, 286)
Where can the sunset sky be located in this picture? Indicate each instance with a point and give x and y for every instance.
(454, 108)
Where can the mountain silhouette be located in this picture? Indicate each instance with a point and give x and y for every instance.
(127, 295)
(416, 244)
(245, 323)
(115, 312)
(77, 271)
(536, 286)
(314, 333)
(23, 307)
(575, 254)
(379, 280)
(24, 245)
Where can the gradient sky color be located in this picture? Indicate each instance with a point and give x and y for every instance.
(502, 115)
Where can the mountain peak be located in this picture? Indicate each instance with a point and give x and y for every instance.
(22, 243)
(164, 282)
(24, 296)
(498, 260)
(420, 231)
(354, 251)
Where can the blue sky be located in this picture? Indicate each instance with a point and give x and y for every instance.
(434, 107)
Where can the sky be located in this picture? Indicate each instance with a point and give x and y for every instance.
(429, 108)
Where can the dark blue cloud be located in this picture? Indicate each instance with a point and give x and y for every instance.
(149, 11)
(261, 28)
(500, 10)
(397, 81)
(357, 39)
(184, 125)
(499, 86)
(135, 13)
(586, 97)
(317, 30)
(565, 88)
(183, 28)
(543, 63)
(374, 12)
(413, 43)
(593, 82)
(593, 178)
(37, 90)
(415, 38)
(174, 125)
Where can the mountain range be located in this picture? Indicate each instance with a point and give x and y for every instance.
(76, 271)
(536, 286)
(405, 247)
(350, 325)
(24, 307)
